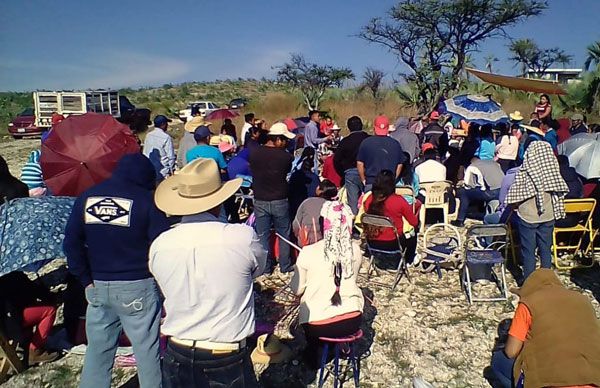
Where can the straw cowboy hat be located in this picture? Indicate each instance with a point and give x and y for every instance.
(269, 350)
(533, 129)
(516, 116)
(196, 188)
(194, 123)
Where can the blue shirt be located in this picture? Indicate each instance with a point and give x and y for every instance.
(486, 150)
(552, 138)
(311, 135)
(379, 153)
(207, 152)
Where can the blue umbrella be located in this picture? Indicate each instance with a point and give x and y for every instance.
(474, 109)
(32, 231)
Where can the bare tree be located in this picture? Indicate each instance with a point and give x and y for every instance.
(489, 62)
(310, 79)
(372, 79)
(432, 38)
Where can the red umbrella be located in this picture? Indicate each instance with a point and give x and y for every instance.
(222, 114)
(83, 150)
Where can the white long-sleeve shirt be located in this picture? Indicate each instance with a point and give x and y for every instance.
(205, 269)
(158, 147)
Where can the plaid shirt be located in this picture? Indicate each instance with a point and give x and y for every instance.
(540, 173)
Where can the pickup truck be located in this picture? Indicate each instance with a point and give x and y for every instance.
(205, 107)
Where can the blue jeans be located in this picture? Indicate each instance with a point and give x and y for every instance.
(274, 214)
(535, 236)
(189, 367)
(502, 366)
(471, 195)
(354, 188)
(133, 306)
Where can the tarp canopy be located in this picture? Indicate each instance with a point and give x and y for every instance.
(518, 83)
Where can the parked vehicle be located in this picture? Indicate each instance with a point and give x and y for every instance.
(238, 103)
(24, 125)
(68, 103)
(205, 107)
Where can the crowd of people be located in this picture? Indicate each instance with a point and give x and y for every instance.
(160, 252)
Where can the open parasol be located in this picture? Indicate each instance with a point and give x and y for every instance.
(84, 150)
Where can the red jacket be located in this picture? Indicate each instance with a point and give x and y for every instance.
(330, 173)
(395, 207)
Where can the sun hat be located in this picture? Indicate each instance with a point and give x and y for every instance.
(280, 129)
(391, 128)
(196, 188)
(335, 127)
(195, 122)
(381, 125)
(202, 132)
(515, 116)
(577, 116)
(270, 350)
(435, 115)
(225, 146)
(160, 120)
(533, 129)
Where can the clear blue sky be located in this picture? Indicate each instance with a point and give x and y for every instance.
(66, 44)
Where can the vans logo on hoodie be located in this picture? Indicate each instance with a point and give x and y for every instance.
(108, 211)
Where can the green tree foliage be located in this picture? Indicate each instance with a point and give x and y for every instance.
(372, 79)
(593, 56)
(310, 79)
(433, 38)
(531, 57)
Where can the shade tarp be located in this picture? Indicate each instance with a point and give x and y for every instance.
(518, 83)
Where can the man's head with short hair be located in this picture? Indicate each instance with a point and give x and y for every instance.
(249, 118)
(314, 115)
(354, 124)
(277, 141)
(430, 154)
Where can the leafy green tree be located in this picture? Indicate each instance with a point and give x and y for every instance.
(433, 38)
(310, 79)
(531, 57)
(593, 55)
(372, 80)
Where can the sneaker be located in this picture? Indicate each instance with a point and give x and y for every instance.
(457, 223)
(41, 356)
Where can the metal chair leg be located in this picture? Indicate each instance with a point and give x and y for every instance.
(355, 370)
(336, 366)
(323, 364)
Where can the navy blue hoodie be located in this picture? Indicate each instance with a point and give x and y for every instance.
(112, 225)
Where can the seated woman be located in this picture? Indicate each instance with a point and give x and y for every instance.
(409, 178)
(325, 277)
(385, 202)
(24, 306)
(306, 224)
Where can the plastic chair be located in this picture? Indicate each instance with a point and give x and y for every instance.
(488, 258)
(447, 249)
(384, 222)
(346, 345)
(585, 209)
(435, 198)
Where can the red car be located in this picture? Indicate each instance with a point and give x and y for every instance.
(24, 125)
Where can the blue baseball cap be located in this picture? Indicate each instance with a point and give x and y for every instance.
(202, 132)
(160, 120)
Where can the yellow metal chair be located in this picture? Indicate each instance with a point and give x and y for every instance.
(584, 208)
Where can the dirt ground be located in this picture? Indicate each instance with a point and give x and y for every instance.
(425, 328)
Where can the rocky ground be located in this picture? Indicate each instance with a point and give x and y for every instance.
(425, 328)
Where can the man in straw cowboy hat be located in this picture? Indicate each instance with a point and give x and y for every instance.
(188, 142)
(205, 270)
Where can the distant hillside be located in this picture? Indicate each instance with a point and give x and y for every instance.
(11, 104)
(169, 99)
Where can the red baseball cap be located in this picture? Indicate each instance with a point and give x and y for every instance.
(435, 115)
(427, 146)
(57, 118)
(381, 125)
